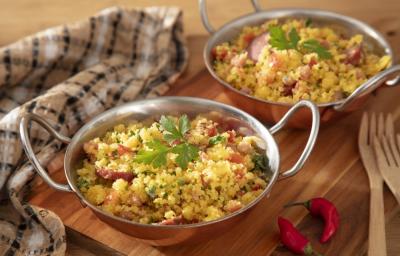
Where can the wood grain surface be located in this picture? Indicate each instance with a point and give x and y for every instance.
(334, 170)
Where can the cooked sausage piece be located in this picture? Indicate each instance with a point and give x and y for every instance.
(257, 45)
(354, 55)
(114, 175)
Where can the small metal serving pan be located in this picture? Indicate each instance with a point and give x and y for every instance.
(271, 112)
(157, 234)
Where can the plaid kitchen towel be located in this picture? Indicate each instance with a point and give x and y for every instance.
(68, 75)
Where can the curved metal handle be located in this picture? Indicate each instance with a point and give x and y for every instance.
(370, 85)
(23, 130)
(311, 139)
(204, 16)
(256, 5)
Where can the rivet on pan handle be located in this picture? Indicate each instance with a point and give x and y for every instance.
(372, 83)
(23, 129)
(204, 16)
(311, 139)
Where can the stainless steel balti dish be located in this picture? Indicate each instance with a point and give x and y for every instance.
(270, 111)
(162, 234)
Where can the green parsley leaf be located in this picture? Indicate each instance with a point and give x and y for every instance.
(156, 157)
(308, 22)
(169, 126)
(184, 124)
(294, 38)
(173, 133)
(278, 38)
(216, 139)
(313, 45)
(280, 41)
(186, 153)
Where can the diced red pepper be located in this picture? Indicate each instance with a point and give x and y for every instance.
(312, 62)
(212, 131)
(176, 142)
(232, 135)
(236, 158)
(248, 37)
(123, 149)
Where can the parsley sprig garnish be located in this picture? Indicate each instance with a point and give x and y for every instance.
(174, 135)
(281, 41)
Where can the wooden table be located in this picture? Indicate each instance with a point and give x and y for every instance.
(333, 171)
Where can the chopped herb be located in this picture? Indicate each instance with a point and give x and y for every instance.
(151, 191)
(115, 153)
(181, 182)
(217, 139)
(139, 138)
(280, 41)
(165, 195)
(261, 162)
(82, 183)
(308, 22)
(148, 172)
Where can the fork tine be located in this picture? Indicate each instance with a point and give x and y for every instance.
(372, 129)
(381, 125)
(380, 155)
(398, 140)
(388, 151)
(363, 133)
(381, 136)
(389, 131)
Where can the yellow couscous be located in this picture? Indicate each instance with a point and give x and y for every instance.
(295, 60)
(173, 171)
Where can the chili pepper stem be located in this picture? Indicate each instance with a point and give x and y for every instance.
(308, 250)
(305, 204)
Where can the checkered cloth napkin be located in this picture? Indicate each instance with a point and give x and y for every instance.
(67, 75)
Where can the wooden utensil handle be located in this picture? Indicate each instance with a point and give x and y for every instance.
(377, 235)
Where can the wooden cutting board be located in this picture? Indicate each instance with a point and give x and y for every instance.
(334, 169)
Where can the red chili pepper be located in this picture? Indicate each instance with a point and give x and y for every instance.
(293, 239)
(325, 209)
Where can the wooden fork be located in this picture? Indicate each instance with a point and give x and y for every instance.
(387, 154)
(377, 236)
